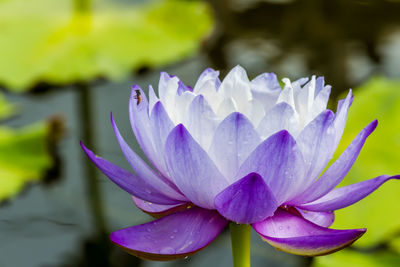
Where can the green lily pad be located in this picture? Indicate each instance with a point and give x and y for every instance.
(379, 212)
(24, 157)
(6, 108)
(352, 258)
(46, 41)
(394, 244)
(24, 152)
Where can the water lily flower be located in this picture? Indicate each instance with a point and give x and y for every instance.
(241, 151)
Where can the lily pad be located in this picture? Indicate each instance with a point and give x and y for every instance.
(6, 108)
(47, 41)
(24, 152)
(24, 157)
(379, 212)
(352, 258)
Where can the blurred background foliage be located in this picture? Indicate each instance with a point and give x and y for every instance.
(62, 42)
(93, 51)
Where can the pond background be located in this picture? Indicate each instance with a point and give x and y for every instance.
(65, 221)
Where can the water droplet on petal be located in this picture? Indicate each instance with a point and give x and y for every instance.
(280, 227)
(149, 230)
(175, 231)
(167, 250)
(172, 237)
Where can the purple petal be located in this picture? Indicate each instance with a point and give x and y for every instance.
(341, 117)
(322, 93)
(233, 141)
(319, 85)
(296, 235)
(315, 142)
(345, 196)
(246, 201)
(143, 170)
(183, 88)
(191, 168)
(161, 126)
(139, 118)
(279, 161)
(159, 210)
(324, 218)
(202, 121)
(172, 237)
(280, 117)
(133, 184)
(338, 170)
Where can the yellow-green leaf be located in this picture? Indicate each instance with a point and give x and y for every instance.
(351, 258)
(379, 212)
(24, 157)
(46, 41)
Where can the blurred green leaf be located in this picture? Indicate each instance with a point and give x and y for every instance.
(394, 244)
(46, 41)
(24, 153)
(352, 258)
(379, 212)
(6, 108)
(24, 157)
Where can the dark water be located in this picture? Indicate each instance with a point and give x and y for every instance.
(66, 222)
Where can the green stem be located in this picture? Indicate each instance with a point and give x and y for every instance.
(82, 6)
(240, 238)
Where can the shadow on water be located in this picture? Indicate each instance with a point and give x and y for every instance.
(293, 38)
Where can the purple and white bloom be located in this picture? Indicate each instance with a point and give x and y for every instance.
(244, 151)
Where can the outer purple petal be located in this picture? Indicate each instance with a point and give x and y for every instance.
(296, 235)
(338, 170)
(142, 170)
(345, 196)
(159, 210)
(234, 139)
(246, 201)
(192, 169)
(324, 218)
(174, 236)
(133, 184)
(279, 161)
(315, 142)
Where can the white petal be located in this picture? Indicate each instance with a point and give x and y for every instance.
(202, 121)
(254, 111)
(227, 107)
(280, 117)
(236, 85)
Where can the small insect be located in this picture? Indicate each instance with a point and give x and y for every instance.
(138, 96)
